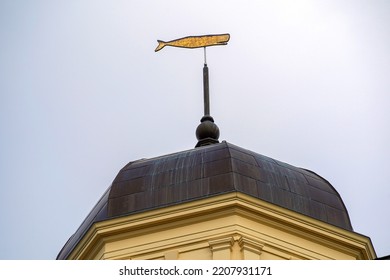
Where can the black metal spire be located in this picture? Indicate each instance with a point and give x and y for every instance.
(207, 131)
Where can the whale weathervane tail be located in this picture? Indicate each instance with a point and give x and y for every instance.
(161, 44)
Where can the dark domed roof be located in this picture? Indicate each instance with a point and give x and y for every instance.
(212, 170)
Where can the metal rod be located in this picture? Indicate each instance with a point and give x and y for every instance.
(206, 94)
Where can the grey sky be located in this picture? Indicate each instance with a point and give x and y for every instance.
(82, 93)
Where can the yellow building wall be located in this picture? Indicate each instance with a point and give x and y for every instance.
(230, 226)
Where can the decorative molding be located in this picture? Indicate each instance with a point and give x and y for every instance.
(250, 249)
(221, 248)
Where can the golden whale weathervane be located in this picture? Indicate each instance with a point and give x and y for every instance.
(193, 42)
(207, 132)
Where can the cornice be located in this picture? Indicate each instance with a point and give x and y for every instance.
(220, 206)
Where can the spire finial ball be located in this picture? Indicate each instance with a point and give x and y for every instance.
(207, 131)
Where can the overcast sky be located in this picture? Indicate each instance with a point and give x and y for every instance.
(82, 93)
